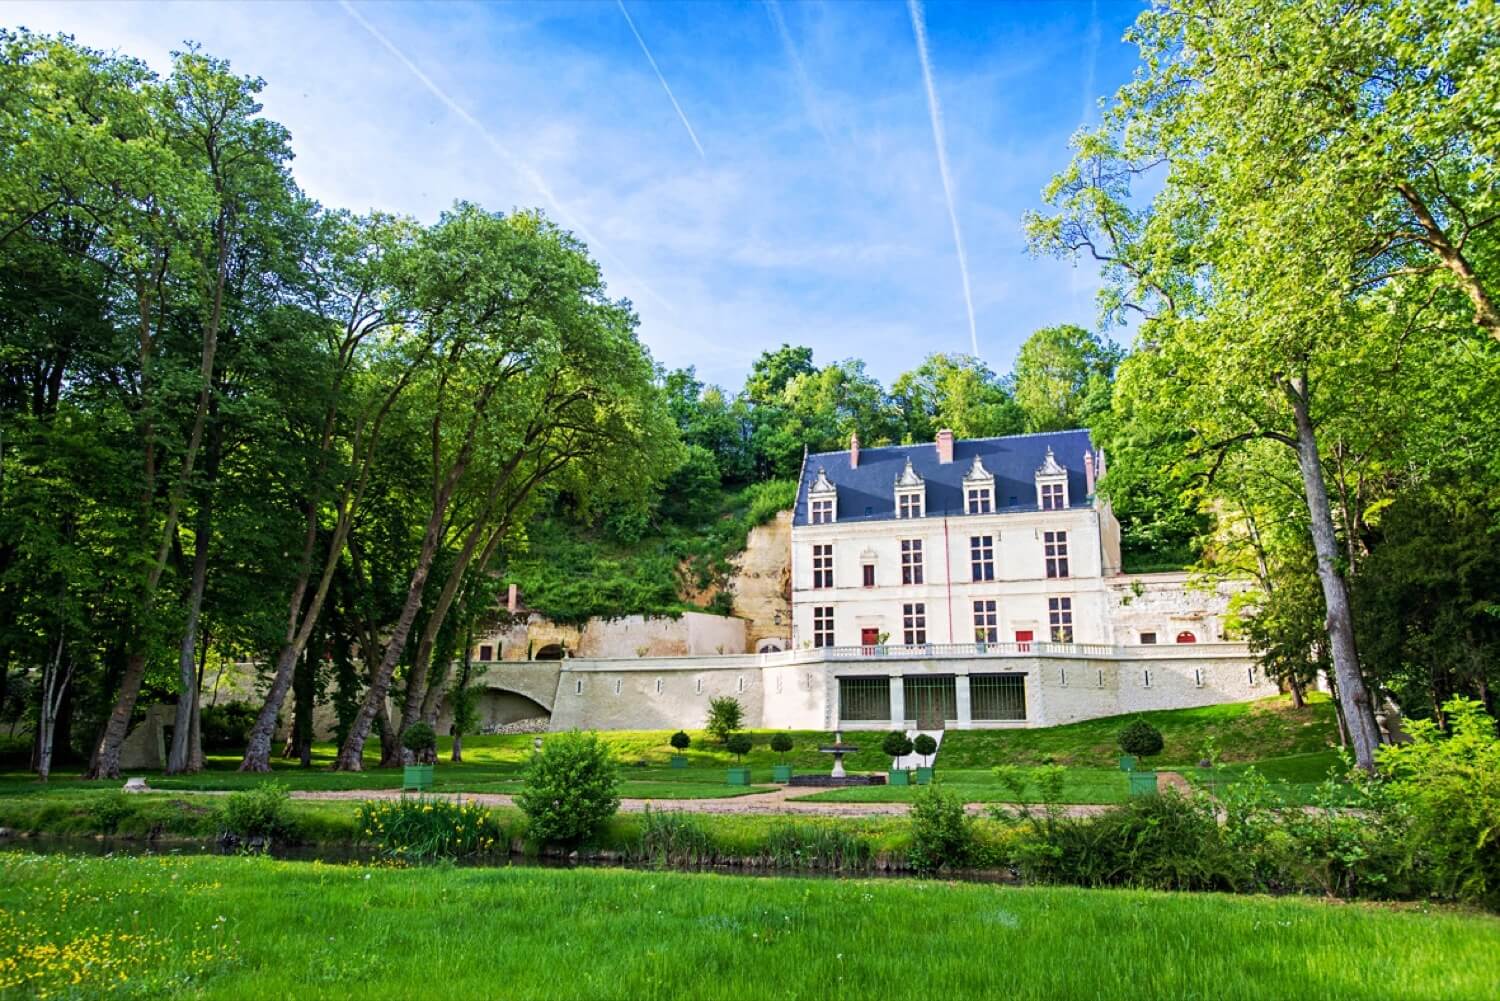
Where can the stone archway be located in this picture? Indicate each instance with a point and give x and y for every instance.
(552, 651)
(770, 645)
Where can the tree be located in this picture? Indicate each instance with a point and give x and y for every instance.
(957, 392)
(1063, 377)
(725, 716)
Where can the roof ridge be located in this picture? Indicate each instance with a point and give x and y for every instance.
(932, 444)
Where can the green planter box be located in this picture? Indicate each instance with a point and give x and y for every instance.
(898, 778)
(739, 776)
(678, 761)
(1143, 783)
(1127, 763)
(418, 777)
(924, 776)
(781, 773)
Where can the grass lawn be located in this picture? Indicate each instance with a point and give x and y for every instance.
(1241, 732)
(242, 927)
(1080, 785)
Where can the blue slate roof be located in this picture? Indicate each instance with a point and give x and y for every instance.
(868, 493)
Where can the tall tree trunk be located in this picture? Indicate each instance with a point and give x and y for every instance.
(179, 759)
(105, 763)
(1298, 699)
(55, 682)
(195, 748)
(304, 687)
(1359, 714)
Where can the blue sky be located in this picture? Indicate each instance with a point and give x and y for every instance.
(794, 191)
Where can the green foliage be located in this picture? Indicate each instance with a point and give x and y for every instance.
(261, 811)
(1447, 788)
(924, 745)
(681, 741)
(1063, 377)
(674, 837)
(419, 738)
(725, 716)
(1141, 739)
(225, 726)
(739, 745)
(896, 744)
(801, 845)
(429, 827)
(572, 787)
(106, 812)
(942, 832)
(781, 743)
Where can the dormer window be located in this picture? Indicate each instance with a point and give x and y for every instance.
(911, 493)
(822, 498)
(979, 489)
(1051, 484)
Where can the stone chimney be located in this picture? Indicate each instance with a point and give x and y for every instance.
(1088, 471)
(945, 446)
(512, 600)
(854, 450)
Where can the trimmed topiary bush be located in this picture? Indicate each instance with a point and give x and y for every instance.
(572, 787)
(419, 737)
(739, 745)
(1140, 739)
(897, 744)
(781, 743)
(926, 746)
(681, 741)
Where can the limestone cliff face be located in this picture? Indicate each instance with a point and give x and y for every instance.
(762, 584)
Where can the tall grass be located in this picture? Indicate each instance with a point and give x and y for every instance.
(428, 827)
(672, 837)
(792, 845)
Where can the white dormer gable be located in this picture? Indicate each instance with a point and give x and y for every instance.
(1051, 484)
(822, 500)
(911, 493)
(979, 489)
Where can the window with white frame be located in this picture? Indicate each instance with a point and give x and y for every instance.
(822, 510)
(986, 621)
(914, 623)
(911, 561)
(823, 625)
(909, 504)
(979, 489)
(1052, 496)
(823, 566)
(980, 500)
(821, 498)
(1055, 545)
(1060, 618)
(982, 557)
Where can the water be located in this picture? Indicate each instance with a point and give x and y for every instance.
(349, 855)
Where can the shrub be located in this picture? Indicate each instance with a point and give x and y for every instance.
(925, 745)
(263, 811)
(896, 744)
(781, 743)
(419, 739)
(681, 740)
(226, 727)
(424, 827)
(739, 745)
(942, 833)
(572, 786)
(1448, 789)
(725, 716)
(1140, 739)
(106, 812)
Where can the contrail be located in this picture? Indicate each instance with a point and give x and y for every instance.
(516, 163)
(670, 96)
(935, 112)
(773, 11)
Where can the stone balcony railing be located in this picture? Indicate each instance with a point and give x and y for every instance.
(969, 651)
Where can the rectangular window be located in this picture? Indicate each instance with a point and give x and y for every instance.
(869, 575)
(911, 561)
(914, 623)
(823, 566)
(486, 653)
(822, 511)
(864, 699)
(1052, 496)
(1147, 639)
(1056, 547)
(979, 500)
(997, 696)
(986, 624)
(1060, 617)
(982, 557)
(823, 625)
(930, 699)
(909, 506)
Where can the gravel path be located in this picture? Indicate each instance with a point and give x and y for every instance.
(778, 801)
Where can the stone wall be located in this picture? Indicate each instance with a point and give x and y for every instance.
(630, 636)
(654, 693)
(1169, 604)
(762, 585)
